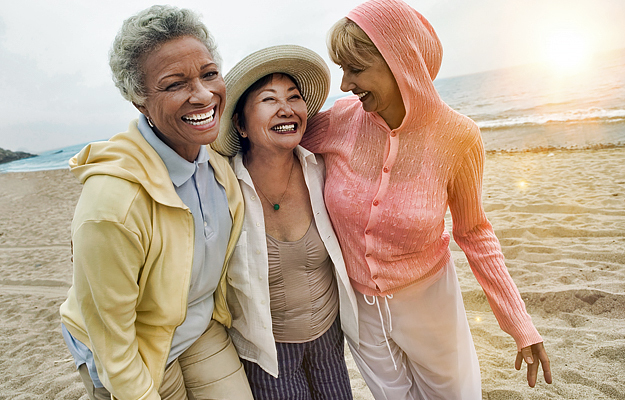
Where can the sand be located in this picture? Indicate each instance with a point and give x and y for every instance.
(560, 217)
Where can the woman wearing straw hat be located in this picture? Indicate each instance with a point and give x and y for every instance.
(397, 158)
(289, 293)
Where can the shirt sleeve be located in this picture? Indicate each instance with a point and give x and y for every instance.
(475, 235)
(108, 258)
(317, 129)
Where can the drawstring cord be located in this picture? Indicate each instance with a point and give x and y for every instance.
(390, 321)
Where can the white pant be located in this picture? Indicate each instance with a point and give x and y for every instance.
(425, 328)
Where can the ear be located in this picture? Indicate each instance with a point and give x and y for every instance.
(237, 125)
(142, 110)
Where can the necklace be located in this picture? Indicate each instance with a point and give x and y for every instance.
(276, 206)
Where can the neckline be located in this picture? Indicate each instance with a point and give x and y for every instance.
(295, 241)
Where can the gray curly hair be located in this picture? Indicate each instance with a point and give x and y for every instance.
(145, 32)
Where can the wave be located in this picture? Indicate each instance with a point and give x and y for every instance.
(574, 116)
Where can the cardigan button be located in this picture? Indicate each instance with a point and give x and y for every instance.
(374, 277)
(376, 202)
(385, 169)
(393, 134)
(368, 232)
(368, 255)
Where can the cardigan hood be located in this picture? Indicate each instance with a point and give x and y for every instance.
(128, 156)
(412, 51)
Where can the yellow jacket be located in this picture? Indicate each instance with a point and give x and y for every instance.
(133, 242)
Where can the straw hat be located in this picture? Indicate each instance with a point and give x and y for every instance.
(304, 65)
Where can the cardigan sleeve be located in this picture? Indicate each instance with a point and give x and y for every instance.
(475, 235)
(317, 128)
(108, 258)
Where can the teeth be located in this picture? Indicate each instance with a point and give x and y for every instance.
(200, 119)
(284, 128)
(361, 95)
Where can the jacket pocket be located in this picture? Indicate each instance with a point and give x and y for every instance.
(238, 269)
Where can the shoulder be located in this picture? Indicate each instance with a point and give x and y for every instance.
(461, 132)
(218, 161)
(110, 198)
(346, 106)
(223, 170)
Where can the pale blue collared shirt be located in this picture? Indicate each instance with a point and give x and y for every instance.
(198, 189)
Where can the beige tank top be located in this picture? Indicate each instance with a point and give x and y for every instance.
(302, 288)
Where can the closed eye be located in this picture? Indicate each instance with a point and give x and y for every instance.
(352, 69)
(211, 75)
(174, 86)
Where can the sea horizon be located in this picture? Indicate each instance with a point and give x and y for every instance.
(518, 109)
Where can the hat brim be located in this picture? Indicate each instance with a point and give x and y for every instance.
(304, 65)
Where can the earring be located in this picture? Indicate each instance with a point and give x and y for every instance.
(150, 122)
(243, 134)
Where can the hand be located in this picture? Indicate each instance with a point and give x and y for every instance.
(534, 355)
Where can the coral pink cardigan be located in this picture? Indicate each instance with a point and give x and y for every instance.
(387, 191)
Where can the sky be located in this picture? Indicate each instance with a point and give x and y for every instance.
(56, 89)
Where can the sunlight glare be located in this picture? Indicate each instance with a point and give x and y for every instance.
(567, 50)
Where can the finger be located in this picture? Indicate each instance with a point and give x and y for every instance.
(527, 355)
(532, 373)
(519, 361)
(544, 360)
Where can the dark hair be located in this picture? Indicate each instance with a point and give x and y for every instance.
(238, 109)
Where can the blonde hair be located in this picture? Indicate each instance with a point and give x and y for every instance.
(349, 45)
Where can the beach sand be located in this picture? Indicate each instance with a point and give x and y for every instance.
(560, 217)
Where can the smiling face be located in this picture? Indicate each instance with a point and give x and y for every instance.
(274, 116)
(377, 90)
(185, 95)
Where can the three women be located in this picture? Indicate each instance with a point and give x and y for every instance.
(396, 158)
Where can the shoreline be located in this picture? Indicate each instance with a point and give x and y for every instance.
(560, 218)
(48, 162)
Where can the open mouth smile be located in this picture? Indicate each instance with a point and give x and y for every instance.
(285, 128)
(200, 119)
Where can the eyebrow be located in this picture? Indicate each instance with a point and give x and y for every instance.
(275, 91)
(203, 67)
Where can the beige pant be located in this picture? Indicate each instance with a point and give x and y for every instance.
(416, 344)
(209, 369)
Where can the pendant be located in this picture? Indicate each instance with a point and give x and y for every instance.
(276, 207)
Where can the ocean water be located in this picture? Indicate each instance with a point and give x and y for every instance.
(528, 108)
(534, 108)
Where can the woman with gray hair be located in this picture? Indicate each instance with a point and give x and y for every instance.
(157, 221)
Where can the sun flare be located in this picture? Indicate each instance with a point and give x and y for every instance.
(567, 51)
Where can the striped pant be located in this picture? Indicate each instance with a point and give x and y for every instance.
(314, 370)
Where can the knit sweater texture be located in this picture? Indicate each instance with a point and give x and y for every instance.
(387, 191)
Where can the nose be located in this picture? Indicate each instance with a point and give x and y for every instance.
(285, 109)
(201, 93)
(346, 82)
